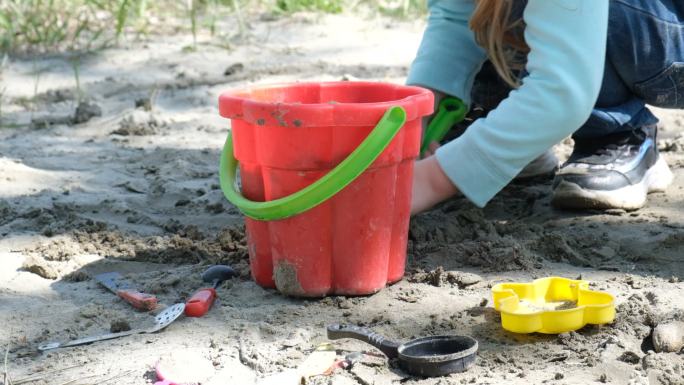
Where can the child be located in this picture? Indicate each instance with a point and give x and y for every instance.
(580, 67)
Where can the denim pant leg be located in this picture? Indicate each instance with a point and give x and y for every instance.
(644, 64)
(489, 89)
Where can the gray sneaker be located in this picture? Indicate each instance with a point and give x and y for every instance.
(614, 172)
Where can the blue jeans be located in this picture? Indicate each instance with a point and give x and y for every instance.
(644, 65)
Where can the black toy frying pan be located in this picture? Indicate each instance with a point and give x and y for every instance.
(426, 357)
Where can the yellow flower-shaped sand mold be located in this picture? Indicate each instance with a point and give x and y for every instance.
(551, 305)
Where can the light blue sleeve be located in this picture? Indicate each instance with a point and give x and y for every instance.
(567, 39)
(448, 58)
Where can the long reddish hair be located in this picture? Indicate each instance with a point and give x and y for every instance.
(494, 29)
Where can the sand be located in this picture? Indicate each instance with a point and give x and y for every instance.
(130, 183)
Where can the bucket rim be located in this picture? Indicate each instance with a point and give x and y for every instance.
(237, 105)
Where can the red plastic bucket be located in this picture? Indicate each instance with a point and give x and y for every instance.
(288, 136)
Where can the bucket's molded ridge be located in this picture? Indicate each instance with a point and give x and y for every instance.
(288, 136)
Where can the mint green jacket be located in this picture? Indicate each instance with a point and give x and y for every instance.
(567, 39)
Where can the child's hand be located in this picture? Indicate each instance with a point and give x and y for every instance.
(430, 185)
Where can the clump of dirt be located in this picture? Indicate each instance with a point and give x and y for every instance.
(91, 311)
(140, 123)
(45, 268)
(55, 259)
(565, 305)
(60, 249)
(232, 239)
(675, 144)
(83, 113)
(636, 316)
(144, 103)
(664, 369)
(441, 278)
(119, 325)
(411, 295)
(7, 213)
(86, 111)
(233, 69)
(629, 357)
(44, 218)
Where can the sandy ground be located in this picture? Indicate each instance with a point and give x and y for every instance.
(137, 191)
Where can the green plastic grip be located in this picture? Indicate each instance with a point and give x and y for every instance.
(450, 111)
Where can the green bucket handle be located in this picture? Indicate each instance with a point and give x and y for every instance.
(322, 189)
(451, 110)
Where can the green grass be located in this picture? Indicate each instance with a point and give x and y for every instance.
(329, 6)
(76, 65)
(45, 25)
(82, 25)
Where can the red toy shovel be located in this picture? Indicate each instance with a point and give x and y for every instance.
(201, 302)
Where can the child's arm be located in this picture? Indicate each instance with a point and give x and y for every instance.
(567, 39)
(448, 58)
(430, 185)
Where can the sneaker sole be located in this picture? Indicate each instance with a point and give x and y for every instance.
(569, 195)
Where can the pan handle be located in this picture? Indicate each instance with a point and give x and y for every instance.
(388, 347)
